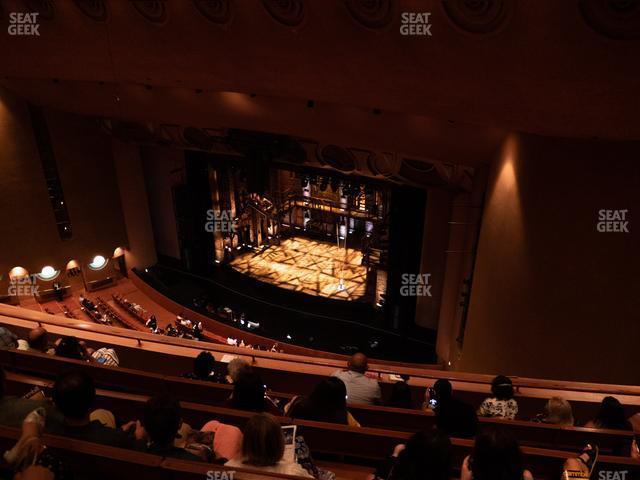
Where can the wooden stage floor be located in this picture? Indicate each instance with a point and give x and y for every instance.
(308, 266)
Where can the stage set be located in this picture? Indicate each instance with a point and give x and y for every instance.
(308, 266)
(313, 232)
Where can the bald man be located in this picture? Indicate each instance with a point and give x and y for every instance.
(36, 341)
(360, 388)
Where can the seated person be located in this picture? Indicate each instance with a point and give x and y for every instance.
(400, 395)
(610, 416)
(13, 410)
(263, 448)
(250, 393)
(72, 348)
(495, 455)
(360, 388)
(327, 403)
(557, 411)
(36, 341)
(160, 425)
(8, 339)
(235, 368)
(73, 397)
(204, 368)
(501, 404)
(454, 417)
(426, 455)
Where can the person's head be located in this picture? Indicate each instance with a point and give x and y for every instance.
(162, 419)
(73, 394)
(401, 396)
(262, 441)
(358, 363)
(427, 455)
(328, 401)
(8, 339)
(558, 412)
(204, 365)
(496, 456)
(443, 390)
(69, 347)
(611, 415)
(502, 388)
(37, 339)
(235, 367)
(249, 391)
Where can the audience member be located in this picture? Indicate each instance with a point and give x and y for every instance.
(161, 422)
(71, 347)
(610, 416)
(426, 455)
(263, 448)
(235, 367)
(581, 466)
(36, 341)
(557, 411)
(327, 403)
(360, 388)
(12, 409)
(106, 356)
(401, 395)
(495, 456)
(453, 416)
(204, 368)
(8, 339)
(501, 404)
(249, 393)
(73, 396)
(227, 439)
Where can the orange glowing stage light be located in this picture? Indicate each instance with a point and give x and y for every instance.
(308, 266)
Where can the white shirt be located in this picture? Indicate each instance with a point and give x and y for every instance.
(286, 468)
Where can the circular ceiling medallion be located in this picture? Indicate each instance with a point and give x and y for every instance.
(216, 11)
(616, 19)
(155, 11)
(286, 12)
(94, 9)
(43, 7)
(371, 13)
(479, 17)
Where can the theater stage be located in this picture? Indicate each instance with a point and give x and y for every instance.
(308, 266)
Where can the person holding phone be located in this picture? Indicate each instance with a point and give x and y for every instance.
(454, 417)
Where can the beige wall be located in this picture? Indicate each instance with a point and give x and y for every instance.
(552, 297)
(141, 251)
(83, 154)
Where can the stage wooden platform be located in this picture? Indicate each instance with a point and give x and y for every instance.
(308, 266)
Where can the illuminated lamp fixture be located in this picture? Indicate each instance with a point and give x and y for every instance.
(18, 272)
(98, 263)
(118, 252)
(48, 273)
(72, 264)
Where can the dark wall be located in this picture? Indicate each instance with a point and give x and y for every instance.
(553, 297)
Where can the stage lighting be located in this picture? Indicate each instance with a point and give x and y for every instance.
(289, 337)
